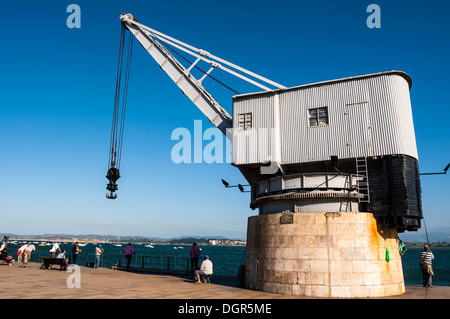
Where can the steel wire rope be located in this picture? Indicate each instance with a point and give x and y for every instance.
(204, 72)
(426, 232)
(125, 97)
(119, 112)
(113, 145)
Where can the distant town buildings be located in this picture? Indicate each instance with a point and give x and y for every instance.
(227, 242)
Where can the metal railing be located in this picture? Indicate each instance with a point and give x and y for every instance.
(158, 262)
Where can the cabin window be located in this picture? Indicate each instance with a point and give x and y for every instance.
(245, 121)
(318, 116)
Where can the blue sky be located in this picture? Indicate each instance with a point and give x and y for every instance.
(57, 93)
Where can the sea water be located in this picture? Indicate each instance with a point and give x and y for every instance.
(228, 259)
(441, 266)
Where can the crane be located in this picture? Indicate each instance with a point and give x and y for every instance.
(289, 141)
(151, 40)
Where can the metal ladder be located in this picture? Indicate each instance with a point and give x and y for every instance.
(363, 185)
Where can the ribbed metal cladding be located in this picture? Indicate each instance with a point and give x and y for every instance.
(255, 145)
(367, 116)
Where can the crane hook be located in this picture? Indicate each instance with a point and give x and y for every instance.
(112, 175)
(111, 196)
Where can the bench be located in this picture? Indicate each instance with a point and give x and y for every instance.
(48, 262)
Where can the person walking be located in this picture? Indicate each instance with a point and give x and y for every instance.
(75, 252)
(129, 251)
(98, 253)
(194, 253)
(425, 265)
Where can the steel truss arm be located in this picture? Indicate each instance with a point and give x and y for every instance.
(190, 86)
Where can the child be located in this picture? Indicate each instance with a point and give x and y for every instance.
(19, 254)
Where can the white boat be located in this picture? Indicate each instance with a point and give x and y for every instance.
(82, 244)
(150, 246)
(117, 243)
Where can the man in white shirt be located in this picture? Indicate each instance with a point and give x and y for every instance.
(205, 269)
(98, 253)
(26, 253)
(23, 247)
(30, 248)
(54, 248)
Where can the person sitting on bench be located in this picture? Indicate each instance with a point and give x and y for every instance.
(3, 252)
(206, 269)
(62, 255)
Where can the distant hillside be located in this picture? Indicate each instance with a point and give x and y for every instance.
(88, 237)
(434, 235)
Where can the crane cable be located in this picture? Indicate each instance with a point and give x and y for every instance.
(426, 231)
(118, 121)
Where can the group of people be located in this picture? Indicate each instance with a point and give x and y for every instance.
(75, 251)
(24, 253)
(206, 268)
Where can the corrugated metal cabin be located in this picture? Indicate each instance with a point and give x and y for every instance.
(357, 126)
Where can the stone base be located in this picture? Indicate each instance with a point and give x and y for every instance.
(323, 255)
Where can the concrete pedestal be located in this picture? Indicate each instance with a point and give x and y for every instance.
(323, 255)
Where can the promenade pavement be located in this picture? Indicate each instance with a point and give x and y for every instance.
(103, 283)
